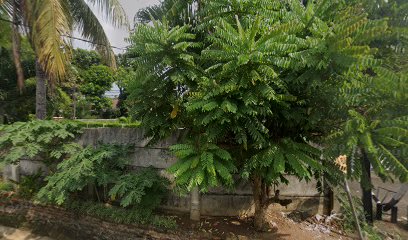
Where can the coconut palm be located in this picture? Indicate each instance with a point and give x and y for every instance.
(49, 24)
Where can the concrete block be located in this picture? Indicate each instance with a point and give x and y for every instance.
(11, 172)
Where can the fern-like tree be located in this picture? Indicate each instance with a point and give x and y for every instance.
(252, 82)
(48, 24)
(374, 132)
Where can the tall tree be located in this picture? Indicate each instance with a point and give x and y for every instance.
(49, 24)
(252, 82)
(375, 129)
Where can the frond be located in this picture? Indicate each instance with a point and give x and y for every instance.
(48, 22)
(90, 28)
(393, 164)
(112, 11)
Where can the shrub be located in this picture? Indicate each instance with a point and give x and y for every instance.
(6, 187)
(37, 139)
(143, 190)
(99, 166)
(30, 185)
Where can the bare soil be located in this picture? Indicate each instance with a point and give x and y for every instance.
(236, 228)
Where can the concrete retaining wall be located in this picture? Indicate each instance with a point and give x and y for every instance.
(217, 202)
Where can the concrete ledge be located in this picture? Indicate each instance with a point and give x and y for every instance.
(242, 205)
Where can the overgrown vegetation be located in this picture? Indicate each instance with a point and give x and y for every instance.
(370, 232)
(29, 185)
(144, 190)
(37, 140)
(6, 187)
(78, 173)
(97, 167)
(269, 81)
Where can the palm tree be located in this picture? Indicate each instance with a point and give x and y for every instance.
(48, 25)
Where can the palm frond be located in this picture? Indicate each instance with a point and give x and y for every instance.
(112, 10)
(89, 26)
(48, 21)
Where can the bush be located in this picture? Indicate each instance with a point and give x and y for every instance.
(6, 187)
(86, 166)
(30, 185)
(37, 139)
(144, 190)
(96, 124)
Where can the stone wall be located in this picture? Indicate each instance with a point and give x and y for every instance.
(218, 201)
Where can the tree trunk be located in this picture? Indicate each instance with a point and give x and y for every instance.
(40, 92)
(260, 195)
(259, 220)
(366, 187)
(195, 212)
(16, 41)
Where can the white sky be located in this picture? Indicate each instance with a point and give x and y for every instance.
(117, 36)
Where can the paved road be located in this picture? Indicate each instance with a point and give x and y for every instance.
(8, 233)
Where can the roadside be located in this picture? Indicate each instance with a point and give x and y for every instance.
(9, 233)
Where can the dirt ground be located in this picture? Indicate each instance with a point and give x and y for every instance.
(8, 233)
(242, 229)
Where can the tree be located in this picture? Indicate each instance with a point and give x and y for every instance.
(177, 12)
(15, 106)
(96, 81)
(252, 78)
(123, 76)
(49, 24)
(375, 129)
(84, 59)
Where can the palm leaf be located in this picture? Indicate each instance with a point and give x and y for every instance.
(112, 10)
(89, 26)
(48, 22)
(396, 166)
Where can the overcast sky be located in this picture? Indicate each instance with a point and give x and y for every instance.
(117, 36)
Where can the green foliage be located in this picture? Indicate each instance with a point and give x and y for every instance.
(267, 79)
(348, 222)
(85, 59)
(120, 215)
(6, 187)
(178, 12)
(164, 62)
(142, 190)
(60, 104)
(29, 185)
(97, 80)
(263, 81)
(15, 106)
(201, 165)
(37, 140)
(101, 166)
(385, 142)
(286, 156)
(114, 124)
(5, 32)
